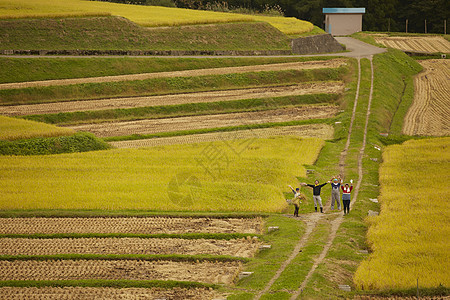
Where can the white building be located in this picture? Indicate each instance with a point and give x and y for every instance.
(343, 21)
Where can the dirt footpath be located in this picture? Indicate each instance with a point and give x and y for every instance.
(201, 97)
(322, 131)
(208, 121)
(321, 64)
(429, 113)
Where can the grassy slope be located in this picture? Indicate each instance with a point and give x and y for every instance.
(46, 68)
(165, 86)
(108, 33)
(143, 15)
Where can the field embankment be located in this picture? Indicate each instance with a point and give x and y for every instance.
(113, 33)
(408, 237)
(429, 113)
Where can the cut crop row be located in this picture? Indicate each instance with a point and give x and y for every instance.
(151, 225)
(23, 246)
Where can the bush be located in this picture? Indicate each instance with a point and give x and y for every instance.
(80, 142)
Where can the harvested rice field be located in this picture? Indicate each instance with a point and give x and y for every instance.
(208, 121)
(174, 99)
(321, 131)
(144, 246)
(429, 113)
(334, 63)
(150, 225)
(85, 293)
(205, 271)
(426, 44)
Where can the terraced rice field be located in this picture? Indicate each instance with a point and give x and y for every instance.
(208, 121)
(430, 112)
(148, 225)
(428, 44)
(205, 272)
(322, 131)
(121, 268)
(201, 97)
(144, 246)
(333, 63)
(34, 293)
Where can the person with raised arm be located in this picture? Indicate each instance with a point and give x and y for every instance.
(336, 182)
(298, 197)
(346, 190)
(316, 193)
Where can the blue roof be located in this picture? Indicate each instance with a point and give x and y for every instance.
(343, 10)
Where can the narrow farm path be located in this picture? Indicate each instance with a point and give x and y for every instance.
(320, 64)
(312, 219)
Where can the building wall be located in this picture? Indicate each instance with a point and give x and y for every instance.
(343, 24)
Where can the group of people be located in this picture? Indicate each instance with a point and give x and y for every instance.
(337, 184)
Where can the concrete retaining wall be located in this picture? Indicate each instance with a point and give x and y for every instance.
(322, 43)
(142, 53)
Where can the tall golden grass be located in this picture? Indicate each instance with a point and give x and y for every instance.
(16, 129)
(151, 16)
(410, 237)
(237, 175)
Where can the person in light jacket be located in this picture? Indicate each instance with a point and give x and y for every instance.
(298, 197)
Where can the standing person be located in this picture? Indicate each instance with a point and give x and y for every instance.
(335, 191)
(298, 197)
(316, 193)
(346, 190)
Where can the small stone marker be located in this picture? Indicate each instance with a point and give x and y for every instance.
(272, 228)
(244, 274)
(338, 122)
(345, 287)
(374, 159)
(384, 134)
(376, 147)
(373, 213)
(363, 251)
(374, 200)
(264, 247)
(309, 171)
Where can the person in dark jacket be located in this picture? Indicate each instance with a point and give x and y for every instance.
(316, 193)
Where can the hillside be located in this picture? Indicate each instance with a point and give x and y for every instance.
(116, 33)
(152, 16)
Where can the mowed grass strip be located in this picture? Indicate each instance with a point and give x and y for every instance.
(143, 15)
(409, 237)
(23, 69)
(16, 129)
(158, 86)
(113, 33)
(181, 110)
(248, 175)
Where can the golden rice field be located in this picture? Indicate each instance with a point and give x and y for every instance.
(239, 175)
(15, 129)
(409, 238)
(151, 16)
